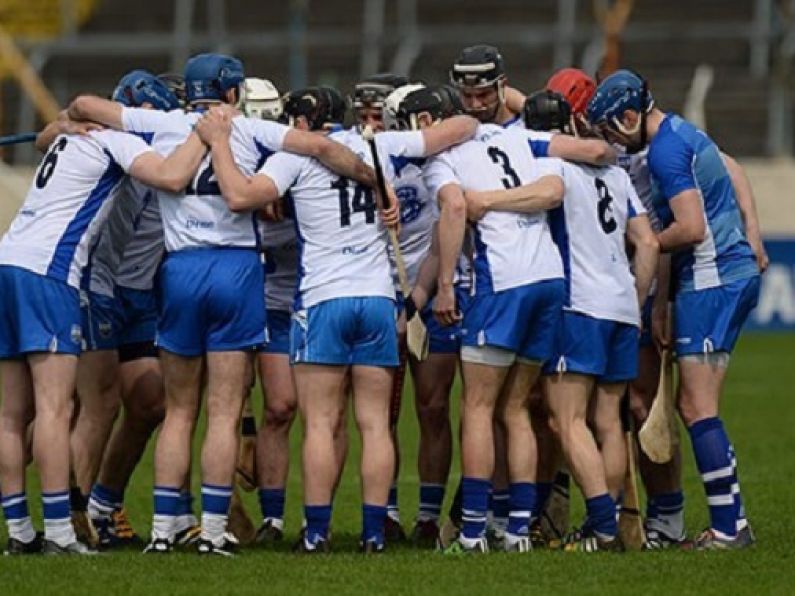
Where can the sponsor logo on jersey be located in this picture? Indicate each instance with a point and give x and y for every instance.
(197, 224)
(354, 250)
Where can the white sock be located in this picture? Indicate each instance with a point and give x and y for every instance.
(275, 522)
(670, 524)
(213, 527)
(468, 542)
(21, 529)
(163, 527)
(98, 511)
(184, 522)
(59, 531)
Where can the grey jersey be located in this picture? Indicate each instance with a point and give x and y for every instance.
(281, 263)
(638, 169)
(145, 250)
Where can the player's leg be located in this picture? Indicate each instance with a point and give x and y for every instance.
(320, 391)
(712, 319)
(54, 377)
(433, 381)
(16, 413)
(610, 435)
(394, 530)
(568, 401)
(372, 387)
(144, 408)
(273, 440)
(99, 391)
(513, 409)
(228, 376)
(182, 378)
(665, 523)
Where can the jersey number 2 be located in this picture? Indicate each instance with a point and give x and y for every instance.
(204, 183)
(604, 207)
(363, 202)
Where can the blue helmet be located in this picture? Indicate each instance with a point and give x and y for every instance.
(209, 76)
(139, 86)
(622, 90)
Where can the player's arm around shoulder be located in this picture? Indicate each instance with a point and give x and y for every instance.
(96, 109)
(592, 151)
(172, 173)
(241, 192)
(335, 156)
(447, 133)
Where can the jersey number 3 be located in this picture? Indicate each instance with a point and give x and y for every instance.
(604, 207)
(47, 168)
(499, 157)
(362, 202)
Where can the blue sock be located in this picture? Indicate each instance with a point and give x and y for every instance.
(318, 518)
(216, 499)
(15, 506)
(373, 518)
(167, 501)
(543, 490)
(474, 503)
(431, 498)
(271, 502)
(666, 504)
(522, 502)
(106, 499)
(185, 505)
(501, 505)
(392, 503)
(713, 453)
(56, 505)
(601, 512)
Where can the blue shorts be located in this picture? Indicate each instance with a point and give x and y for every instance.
(444, 340)
(102, 318)
(523, 320)
(139, 308)
(346, 331)
(600, 348)
(211, 300)
(710, 320)
(277, 336)
(37, 314)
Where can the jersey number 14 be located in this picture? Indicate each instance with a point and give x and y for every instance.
(362, 201)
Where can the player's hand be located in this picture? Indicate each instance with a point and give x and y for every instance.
(762, 260)
(272, 212)
(214, 126)
(390, 215)
(444, 307)
(68, 126)
(476, 205)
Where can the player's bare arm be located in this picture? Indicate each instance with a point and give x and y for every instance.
(452, 225)
(647, 253)
(425, 284)
(96, 109)
(659, 313)
(514, 99)
(335, 156)
(447, 133)
(592, 151)
(688, 227)
(174, 172)
(545, 193)
(63, 125)
(240, 192)
(747, 205)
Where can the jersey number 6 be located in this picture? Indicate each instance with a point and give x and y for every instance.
(50, 161)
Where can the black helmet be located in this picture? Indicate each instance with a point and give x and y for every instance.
(316, 104)
(547, 110)
(336, 104)
(478, 66)
(372, 91)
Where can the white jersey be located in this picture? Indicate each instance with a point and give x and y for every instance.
(511, 249)
(281, 262)
(343, 246)
(590, 230)
(636, 166)
(199, 217)
(68, 203)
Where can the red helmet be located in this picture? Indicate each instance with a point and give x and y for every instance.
(575, 86)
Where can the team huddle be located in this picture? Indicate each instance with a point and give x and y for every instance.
(194, 231)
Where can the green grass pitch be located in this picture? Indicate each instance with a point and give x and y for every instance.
(759, 408)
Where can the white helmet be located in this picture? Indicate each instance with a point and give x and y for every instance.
(259, 98)
(392, 104)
